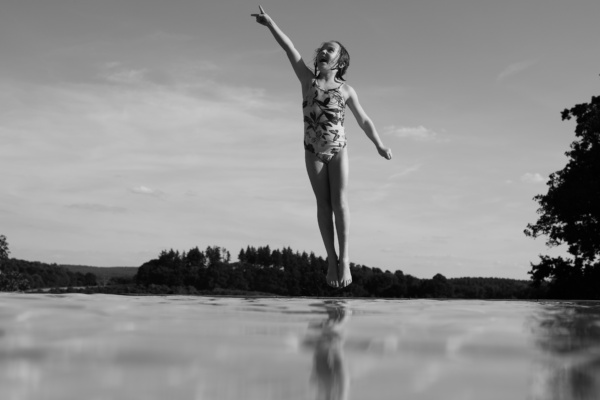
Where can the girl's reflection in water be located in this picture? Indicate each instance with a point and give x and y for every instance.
(326, 338)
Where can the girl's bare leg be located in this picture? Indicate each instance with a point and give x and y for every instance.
(319, 179)
(338, 181)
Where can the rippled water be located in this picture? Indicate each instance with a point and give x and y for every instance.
(111, 347)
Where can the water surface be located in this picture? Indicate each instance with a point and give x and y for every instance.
(61, 347)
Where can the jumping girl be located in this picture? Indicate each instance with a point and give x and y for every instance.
(325, 96)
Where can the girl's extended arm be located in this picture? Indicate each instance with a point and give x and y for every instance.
(366, 124)
(302, 72)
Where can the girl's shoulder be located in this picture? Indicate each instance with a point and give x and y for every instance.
(347, 90)
(345, 86)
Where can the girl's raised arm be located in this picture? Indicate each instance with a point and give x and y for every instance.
(300, 68)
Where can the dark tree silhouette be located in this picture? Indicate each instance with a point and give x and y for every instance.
(570, 212)
(259, 271)
(20, 275)
(4, 251)
(10, 281)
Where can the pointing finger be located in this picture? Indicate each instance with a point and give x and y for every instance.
(262, 11)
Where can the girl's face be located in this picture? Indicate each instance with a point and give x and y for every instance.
(328, 55)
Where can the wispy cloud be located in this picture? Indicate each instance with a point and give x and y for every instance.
(87, 153)
(146, 191)
(515, 68)
(532, 178)
(419, 133)
(97, 208)
(125, 76)
(406, 171)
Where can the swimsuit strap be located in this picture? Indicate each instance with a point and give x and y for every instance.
(328, 90)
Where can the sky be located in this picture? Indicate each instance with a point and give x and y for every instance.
(129, 127)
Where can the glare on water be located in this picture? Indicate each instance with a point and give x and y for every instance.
(117, 347)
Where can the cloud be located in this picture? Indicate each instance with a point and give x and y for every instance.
(85, 144)
(126, 76)
(532, 178)
(97, 208)
(176, 76)
(146, 191)
(406, 171)
(73, 152)
(515, 68)
(419, 133)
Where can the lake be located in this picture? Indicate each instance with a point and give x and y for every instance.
(99, 347)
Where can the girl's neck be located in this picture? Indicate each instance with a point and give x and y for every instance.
(327, 75)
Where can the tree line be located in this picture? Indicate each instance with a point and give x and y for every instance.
(259, 271)
(290, 273)
(21, 275)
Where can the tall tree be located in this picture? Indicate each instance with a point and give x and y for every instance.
(570, 212)
(4, 251)
(10, 281)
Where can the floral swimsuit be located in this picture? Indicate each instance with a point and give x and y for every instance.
(324, 122)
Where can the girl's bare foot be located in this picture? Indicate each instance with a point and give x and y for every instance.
(332, 272)
(345, 277)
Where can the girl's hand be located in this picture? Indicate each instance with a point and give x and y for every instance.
(262, 18)
(385, 152)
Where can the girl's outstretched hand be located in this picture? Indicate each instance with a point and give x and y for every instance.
(385, 152)
(262, 18)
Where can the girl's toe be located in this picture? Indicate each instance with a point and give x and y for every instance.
(345, 283)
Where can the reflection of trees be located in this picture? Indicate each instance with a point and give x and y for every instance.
(569, 335)
(330, 373)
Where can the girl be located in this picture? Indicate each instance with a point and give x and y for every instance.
(325, 96)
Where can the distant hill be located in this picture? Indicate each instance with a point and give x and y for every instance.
(104, 273)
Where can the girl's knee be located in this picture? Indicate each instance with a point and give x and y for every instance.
(324, 207)
(324, 202)
(340, 205)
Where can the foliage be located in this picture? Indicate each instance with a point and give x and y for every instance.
(10, 281)
(258, 271)
(4, 251)
(288, 273)
(13, 282)
(570, 212)
(41, 275)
